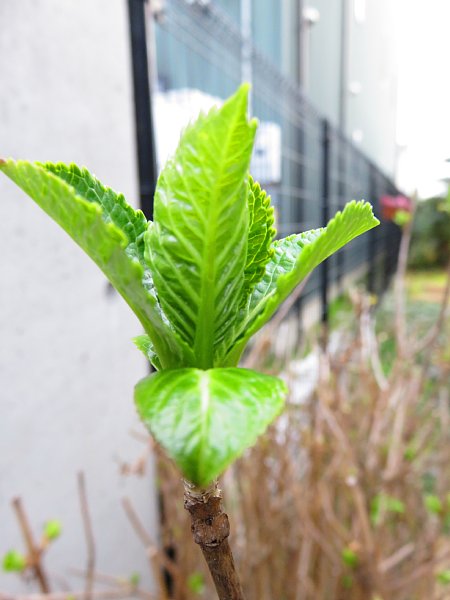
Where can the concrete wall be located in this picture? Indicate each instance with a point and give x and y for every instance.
(67, 366)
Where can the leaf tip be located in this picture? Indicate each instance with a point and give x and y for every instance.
(240, 98)
(244, 88)
(368, 205)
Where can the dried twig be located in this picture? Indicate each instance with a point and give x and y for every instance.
(34, 552)
(430, 338)
(89, 535)
(397, 557)
(139, 465)
(399, 287)
(417, 573)
(77, 595)
(115, 582)
(156, 558)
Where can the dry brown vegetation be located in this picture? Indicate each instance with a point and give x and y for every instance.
(347, 497)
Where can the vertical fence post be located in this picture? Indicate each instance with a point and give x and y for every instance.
(372, 235)
(342, 199)
(325, 213)
(142, 106)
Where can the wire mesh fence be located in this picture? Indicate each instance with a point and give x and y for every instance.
(307, 166)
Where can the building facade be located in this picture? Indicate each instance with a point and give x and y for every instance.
(310, 65)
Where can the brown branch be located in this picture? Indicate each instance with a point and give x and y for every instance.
(89, 535)
(115, 582)
(369, 341)
(399, 289)
(417, 572)
(397, 557)
(100, 595)
(135, 521)
(210, 528)
(157, 559)
(34, 552)
(428, 340)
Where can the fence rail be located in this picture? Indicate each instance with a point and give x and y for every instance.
(308, 167)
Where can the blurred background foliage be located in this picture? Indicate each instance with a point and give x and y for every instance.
(430, 244)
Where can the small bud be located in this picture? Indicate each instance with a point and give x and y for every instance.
(52, 529)
(14, 561)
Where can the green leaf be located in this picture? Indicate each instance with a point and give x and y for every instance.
(114, 206)
(110, 232)
(349, 557)
(294, 259)
(196, 583)
(443, 577)
(395, 505)
(197, 246)
(381, 504)
(260, 234)
(206, 419)
(14, 561)
(135, 579)
(433, 504)
(52, 529)
(144, 344)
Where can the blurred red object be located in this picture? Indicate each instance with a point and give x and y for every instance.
(391, 205)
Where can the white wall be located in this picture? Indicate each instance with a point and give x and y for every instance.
(67, 365)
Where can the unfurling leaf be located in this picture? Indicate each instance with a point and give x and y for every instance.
(206, 419)
(260, 234)
(144, 344)
(110, 232)
(294, 259)
(197, 246)
(202, 279)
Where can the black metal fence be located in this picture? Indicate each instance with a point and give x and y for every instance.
(310, 169)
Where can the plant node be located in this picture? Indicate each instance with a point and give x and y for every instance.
(210, 529)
